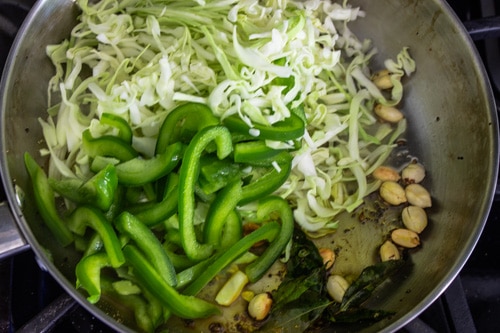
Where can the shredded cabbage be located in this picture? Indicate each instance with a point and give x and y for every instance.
(258, 59)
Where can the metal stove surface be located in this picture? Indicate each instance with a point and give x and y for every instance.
(471, 303)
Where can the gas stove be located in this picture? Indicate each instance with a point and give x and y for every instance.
(31, 300)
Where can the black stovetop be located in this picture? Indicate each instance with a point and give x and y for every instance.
(471, 303)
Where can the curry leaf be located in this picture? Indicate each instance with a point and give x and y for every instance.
(304, 256)
(298, 315)
(370, 278)
(301, 301)
(291, 290)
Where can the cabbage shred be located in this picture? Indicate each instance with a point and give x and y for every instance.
(261, 60)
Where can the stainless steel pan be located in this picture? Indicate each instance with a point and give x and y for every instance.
(452, 129)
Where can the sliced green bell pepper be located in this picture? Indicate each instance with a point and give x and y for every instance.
(88, 274)
(117, 205)
(188, 174)
(268, 231)
(148, 311)
(45, 201)
(183, 122)
(108, 146)
(233, 230)
(180, 261)
(267, 183)
(250, 151)
(98, 191)
(290, 128)
(187, 275)
(84, 216)
(267, 206)
(123, 127)
(139, 171)
(218, 212)
(153, 213)
(147, 242)
(94, 245)
(188, 307)
(215, 173)
(257, 153)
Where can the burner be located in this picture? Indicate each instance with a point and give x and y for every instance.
(12, 14)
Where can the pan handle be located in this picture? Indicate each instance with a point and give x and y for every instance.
(11, 240)
(484, 28)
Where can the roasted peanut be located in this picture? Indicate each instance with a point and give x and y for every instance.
(336, 286)
(388, 113)
(413, 173)
(382, 79)
(392, 193)
(414, 218)
(328, 257)
(389, 251)
(405, 238)
(418, 196)
(260, 305)
(385, 173)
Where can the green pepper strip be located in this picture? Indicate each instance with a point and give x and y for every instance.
(124, 130)
(147, 310)
(251, 151)
(173, 236)
(190, 118)
(88, 274)
(280, 157)
(188, 174)
(288, 129)
(117, 205)
(179, 261)
(98, 191)
(215, 173)
(233, 230)
(95, 245)
(268, 231)
(139, 171)
(45, 201)
(107, 145)
(267, 206)
(219, 210)
(100, 162)
(89, 216)
(188, 307)
(144, 238)
(200, 193)
(152, 214)
(266, 184)
(189, 274)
